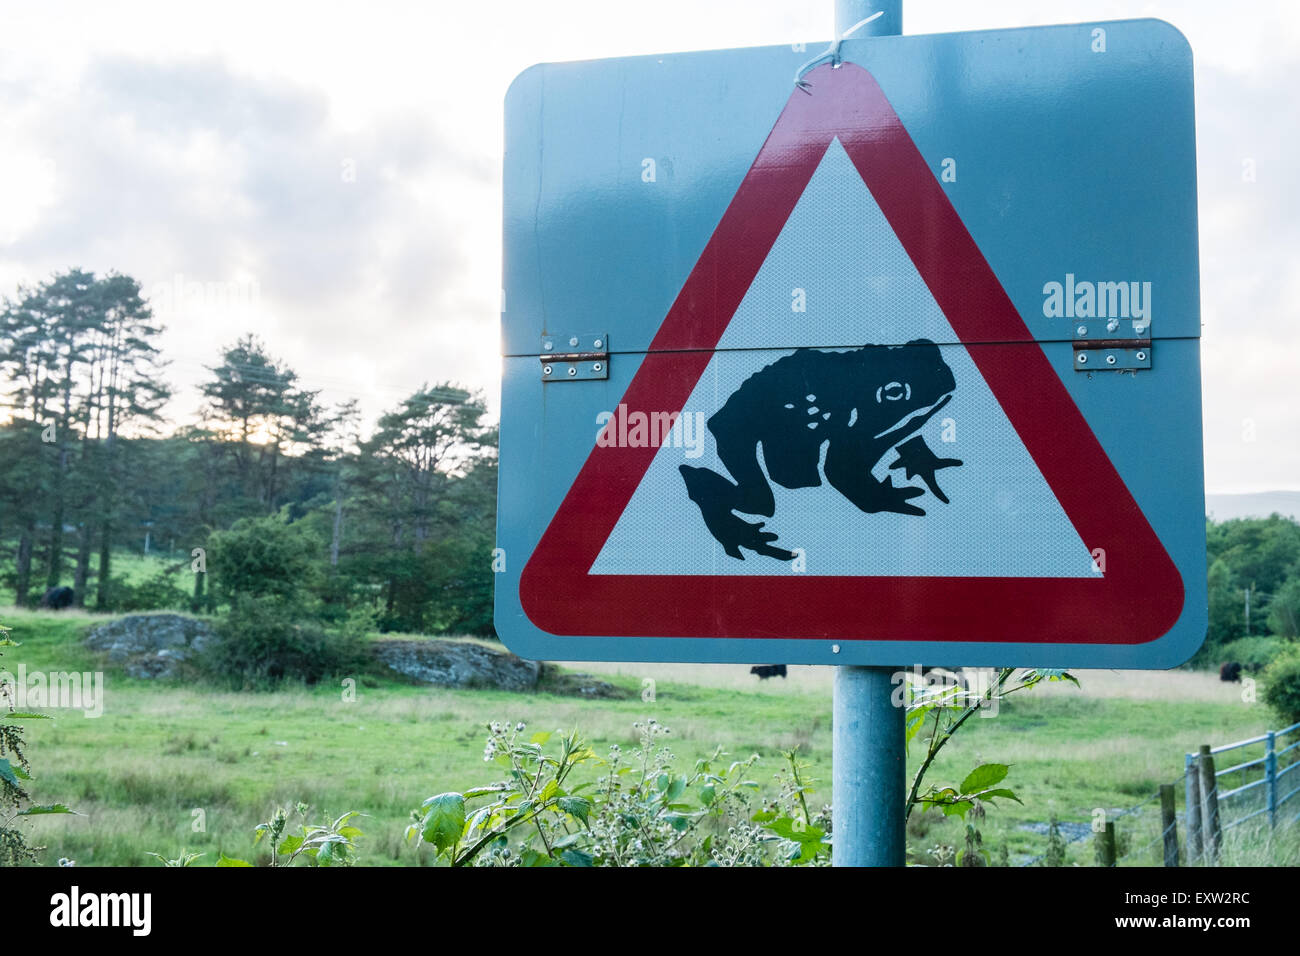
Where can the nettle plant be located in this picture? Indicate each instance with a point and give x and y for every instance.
(567, 806)
(15, 773)
(629, 809)
(293, 840)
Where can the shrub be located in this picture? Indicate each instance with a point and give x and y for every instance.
(1284, 610)
(262, 557)
(1282, 686)
(1253, 653)
(264, 641)
(158, 593)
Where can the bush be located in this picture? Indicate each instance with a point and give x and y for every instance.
(1284, 610)
(1282, 687)
(264, 641)
(158, 593)
(1253, 653)
(262, 557)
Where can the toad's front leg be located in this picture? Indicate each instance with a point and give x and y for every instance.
(916, 458)
(848, 469)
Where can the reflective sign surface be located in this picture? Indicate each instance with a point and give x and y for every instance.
(901, 367)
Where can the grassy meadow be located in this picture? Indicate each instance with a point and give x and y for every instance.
(164, 755)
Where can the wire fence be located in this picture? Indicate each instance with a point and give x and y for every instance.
(1258, 789)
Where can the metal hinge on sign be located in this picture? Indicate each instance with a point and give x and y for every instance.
(575, 357)
(1111, 345)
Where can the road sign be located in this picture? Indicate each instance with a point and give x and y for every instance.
(898, 366)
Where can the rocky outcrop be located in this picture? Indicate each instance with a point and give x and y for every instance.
(161, 645)
(444, 663)
(458, 664)
(151, 645)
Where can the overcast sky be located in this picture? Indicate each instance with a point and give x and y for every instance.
(329, 175)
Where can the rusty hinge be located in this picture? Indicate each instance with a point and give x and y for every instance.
(570, 357)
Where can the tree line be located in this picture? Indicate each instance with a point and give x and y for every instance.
(397, 519)
(1254, 588)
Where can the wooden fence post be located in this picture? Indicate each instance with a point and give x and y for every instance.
(1169, 823)
(1212, 837)
(1106, 845)
(1193, 775)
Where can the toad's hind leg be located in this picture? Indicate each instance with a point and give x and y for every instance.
(719, 499)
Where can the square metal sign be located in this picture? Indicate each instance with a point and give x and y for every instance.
(896, 364)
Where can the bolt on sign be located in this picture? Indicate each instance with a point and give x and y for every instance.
(899, 363)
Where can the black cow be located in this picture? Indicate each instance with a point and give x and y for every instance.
(1230, 671)
(56, 598)
(764, 671)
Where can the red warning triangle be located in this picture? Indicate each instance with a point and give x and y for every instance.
(1137, 599)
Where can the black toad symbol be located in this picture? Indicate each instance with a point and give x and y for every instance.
(859, 403)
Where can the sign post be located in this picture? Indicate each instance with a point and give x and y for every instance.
(868, 744)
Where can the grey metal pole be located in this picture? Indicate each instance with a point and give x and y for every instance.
(868, 760)
(868, 769)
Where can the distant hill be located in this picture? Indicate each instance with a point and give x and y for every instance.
(1259, 504)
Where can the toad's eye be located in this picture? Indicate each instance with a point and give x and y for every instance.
(893, 392)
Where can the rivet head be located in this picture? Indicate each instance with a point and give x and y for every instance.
(595, 367)
(1083, 358)
(572, 370)
(1110, 360)
(598, 343)
(1083, 330)
(1142, 356)
(573, 340)
(835, 648)
(546, 370)
(548, 345)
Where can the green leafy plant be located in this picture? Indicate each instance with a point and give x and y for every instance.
(1253, 653)
(15, 773)
(805, 835)
(264, 641)
(319, 844)
(973, 853)
(942, 854)
(1282, 687)
(184, 859)
(936, 713)
(569, 807)
(154, 593)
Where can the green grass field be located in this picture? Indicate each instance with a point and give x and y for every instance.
(161, 752)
